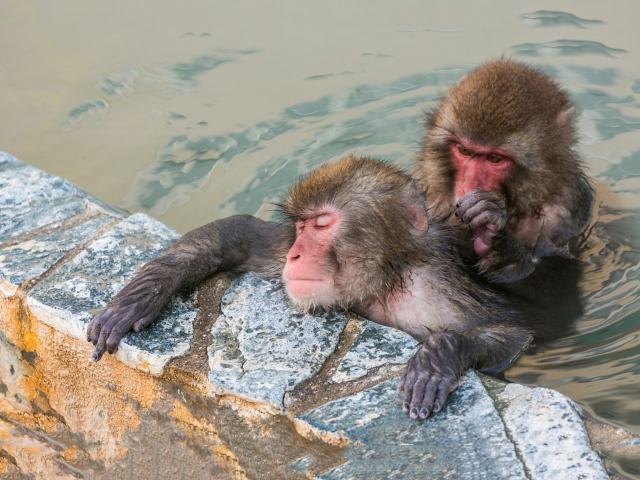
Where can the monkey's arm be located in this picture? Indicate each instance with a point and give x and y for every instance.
(435, 369)
(241, 243)
(506, 257)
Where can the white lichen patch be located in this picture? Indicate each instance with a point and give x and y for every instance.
(47, 200)
(466, 440)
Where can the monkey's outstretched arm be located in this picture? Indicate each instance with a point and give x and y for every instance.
(435, 369)
(240, 243)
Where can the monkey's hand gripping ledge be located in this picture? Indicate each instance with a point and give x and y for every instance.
(230, 381)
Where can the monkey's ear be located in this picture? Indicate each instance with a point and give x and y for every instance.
(417, 215)
(566, 123)
(416, 207)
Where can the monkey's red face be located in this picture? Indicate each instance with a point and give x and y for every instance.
(308, 273)
(478, 167)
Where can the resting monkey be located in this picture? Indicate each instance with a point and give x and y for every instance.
(499, 153)
(356, 236)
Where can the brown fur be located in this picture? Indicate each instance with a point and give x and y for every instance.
(505, 102)
(372, 197)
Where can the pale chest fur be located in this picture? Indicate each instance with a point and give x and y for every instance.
(421, 308)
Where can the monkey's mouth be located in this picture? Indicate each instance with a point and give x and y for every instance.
(309, 288)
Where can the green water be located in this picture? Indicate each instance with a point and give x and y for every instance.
(195, 110)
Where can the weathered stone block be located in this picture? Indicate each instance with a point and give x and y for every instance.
(32, 258)
(466, 440)
(375, 345)
(262, 347)
(549, 435)
(69, 298)
(31, 198)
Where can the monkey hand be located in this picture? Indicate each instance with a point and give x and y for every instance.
(432, 374)
(135, 307)
(486, 214)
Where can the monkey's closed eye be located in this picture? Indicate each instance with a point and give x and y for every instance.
(323, 221)
(494, 159)
(464, 151)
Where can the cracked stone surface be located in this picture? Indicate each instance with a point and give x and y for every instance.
(33, 257)
(70, 297)
(532, 433)
(48, 199)
(263, 347)
(375, 345)
(465, 440)
(549, 434)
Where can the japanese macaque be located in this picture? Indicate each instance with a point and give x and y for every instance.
(499, 154)
(356, 236)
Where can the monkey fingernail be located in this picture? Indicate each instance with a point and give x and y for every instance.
(405, 407)
(414, 413)
(424, 413)
(436, 407)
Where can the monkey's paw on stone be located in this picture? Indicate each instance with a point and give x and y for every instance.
(427, 383)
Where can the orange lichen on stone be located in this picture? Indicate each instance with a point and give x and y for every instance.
(314, 435)
(227, 459)
(4, 465)
(182, 414)
(74, 454)
(55, 379)
(249, 410)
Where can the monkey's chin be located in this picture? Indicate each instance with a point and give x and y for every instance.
(310, 294)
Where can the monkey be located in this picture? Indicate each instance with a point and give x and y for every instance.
(499, 154)
(355, 236)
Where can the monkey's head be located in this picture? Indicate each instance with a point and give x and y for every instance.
(504, 127)
(358, 224)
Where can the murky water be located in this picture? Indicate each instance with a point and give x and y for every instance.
(192, 111)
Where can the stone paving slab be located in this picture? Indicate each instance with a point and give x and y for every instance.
(32, 258)
(31, 198)
(262, 347)
(374, 346)
(549, 435)
(70, 297)
(532, 433)
(466, 440)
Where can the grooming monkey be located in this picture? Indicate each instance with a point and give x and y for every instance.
(499, 153)
(357, 237)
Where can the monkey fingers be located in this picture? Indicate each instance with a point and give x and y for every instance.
(110, 333)
(482, 207)
(427, 381)
(108, 327)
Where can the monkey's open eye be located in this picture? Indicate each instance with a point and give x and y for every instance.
(494, 159)
(323, 220)
(464, 151)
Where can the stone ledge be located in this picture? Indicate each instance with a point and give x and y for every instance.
(255, 390)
